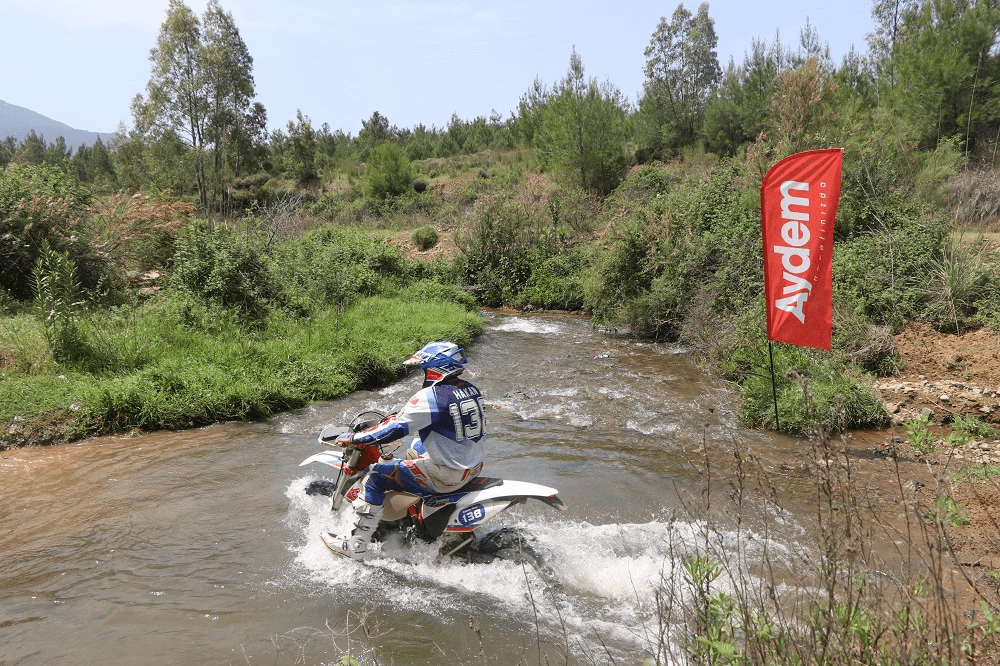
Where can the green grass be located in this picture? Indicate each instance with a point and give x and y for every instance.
(187, 377)
(978, 472)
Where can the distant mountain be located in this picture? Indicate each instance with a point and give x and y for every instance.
(16, 121)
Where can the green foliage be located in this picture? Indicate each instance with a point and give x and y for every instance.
(41, 206)
(225, 268)
(958, 280)
(946, 510)
(387, 173)
(199, 98)
(581, 133)
(299, 156)
(501, 246)
(59, 298)
(170, 375)
(425, 237)
(713, 638)
(878, 267)
(682, 69)
(973, 427)
(696, 244)
(943, 61)
(741, 107)
(335, 266)
(431, 290)
(814, 389)
(919, 435)
(557, 282)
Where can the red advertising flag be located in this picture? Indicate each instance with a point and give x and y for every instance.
(798, 202)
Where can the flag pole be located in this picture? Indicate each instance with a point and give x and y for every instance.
(774, 387)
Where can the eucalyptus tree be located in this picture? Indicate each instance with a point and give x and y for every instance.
(178, 99)
(200, 91)
(228, 68)
(682, 69)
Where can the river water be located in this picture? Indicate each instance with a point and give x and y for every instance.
(200, 547)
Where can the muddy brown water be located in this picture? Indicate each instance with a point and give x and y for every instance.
(200, 547)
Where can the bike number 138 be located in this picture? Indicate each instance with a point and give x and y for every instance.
(468, 418)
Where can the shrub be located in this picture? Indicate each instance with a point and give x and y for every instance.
(882, 268)
(815, 389)
(557, 282)
(334, 266)
(41, 206)
(225, 268)
(697, 242)
(425, 237)
(388, 173)
(501, 245)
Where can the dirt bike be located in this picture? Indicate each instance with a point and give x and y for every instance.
(455, 520)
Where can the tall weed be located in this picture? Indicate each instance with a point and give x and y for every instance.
(958, 278)
(59, 300)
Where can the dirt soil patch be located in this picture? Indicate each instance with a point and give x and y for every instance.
(445, 248)
(944, 375)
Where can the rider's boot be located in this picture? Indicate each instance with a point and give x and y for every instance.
(355, 545)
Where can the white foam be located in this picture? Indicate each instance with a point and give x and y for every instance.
(652, 427)
(605, 583)
(527, 325)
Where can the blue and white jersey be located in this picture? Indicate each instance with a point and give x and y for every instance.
(448, 417)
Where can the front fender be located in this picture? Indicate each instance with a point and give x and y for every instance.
(332, 458)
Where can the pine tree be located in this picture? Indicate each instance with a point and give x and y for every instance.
(582, 131)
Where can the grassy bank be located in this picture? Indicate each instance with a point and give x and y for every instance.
(185, 378)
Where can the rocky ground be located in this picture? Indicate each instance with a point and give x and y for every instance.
(943, 377)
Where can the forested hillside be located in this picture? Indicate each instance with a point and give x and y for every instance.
(198, 221)
(19, 124)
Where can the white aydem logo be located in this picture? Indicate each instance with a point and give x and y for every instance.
(794, 257)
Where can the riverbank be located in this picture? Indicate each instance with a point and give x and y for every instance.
(186, 377)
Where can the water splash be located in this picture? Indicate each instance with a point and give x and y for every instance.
(599, 582)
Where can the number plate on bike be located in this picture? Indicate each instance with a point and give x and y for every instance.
(472, 514)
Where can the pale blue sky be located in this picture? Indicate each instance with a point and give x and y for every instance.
(82, 62)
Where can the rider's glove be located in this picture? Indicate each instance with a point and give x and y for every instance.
(344, 439)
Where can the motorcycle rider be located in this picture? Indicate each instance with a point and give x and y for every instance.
(447, 417)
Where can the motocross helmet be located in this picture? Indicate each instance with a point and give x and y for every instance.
(439, 360)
